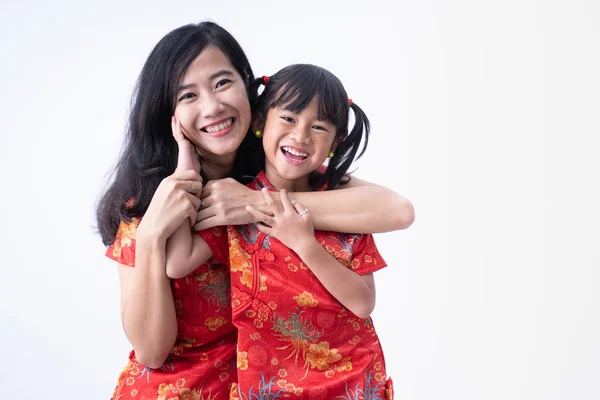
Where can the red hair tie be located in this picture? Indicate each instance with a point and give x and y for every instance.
(265, 80)
(350, 102)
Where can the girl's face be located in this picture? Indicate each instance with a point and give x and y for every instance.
(295, 145)
(212, 106)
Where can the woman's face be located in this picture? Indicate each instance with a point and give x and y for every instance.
(212, 106)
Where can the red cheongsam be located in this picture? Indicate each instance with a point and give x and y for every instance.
(201, 364)
(295, 340)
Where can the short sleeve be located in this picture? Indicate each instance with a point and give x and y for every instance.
(122, 250)
(365, 256)
(216, 239)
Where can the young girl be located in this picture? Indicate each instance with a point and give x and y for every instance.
(301, 299)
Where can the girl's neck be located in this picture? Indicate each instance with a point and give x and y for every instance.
(278, 183)
(217, 167)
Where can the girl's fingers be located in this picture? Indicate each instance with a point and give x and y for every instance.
(285, 200)
(269, 200)
(260, 216)
(265, 229)
(300, 209)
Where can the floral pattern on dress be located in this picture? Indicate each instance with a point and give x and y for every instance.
(295, 340)
(202, 363)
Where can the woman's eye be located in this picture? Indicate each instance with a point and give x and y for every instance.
(222, 83)
(187, 96)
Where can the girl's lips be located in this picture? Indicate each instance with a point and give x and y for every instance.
(293, 159)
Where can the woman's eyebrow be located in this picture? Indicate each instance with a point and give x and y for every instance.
(223, 72)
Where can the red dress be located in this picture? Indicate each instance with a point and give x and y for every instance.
(295, 340)
(201, 365)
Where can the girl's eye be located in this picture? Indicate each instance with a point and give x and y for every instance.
(320, 128)
(222, 83)
(187, 96)
(287, 119)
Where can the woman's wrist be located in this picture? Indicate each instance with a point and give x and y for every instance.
(149, 240)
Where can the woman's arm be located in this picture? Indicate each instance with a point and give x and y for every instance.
(186, 250)
(357, 207)
(147, 307)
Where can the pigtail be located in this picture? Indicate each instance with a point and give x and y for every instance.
(346, 151)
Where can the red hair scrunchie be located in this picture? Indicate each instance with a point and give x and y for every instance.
(265, 80)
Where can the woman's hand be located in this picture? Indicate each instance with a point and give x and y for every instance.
(224, 202)
(291, 223)
(178, 196)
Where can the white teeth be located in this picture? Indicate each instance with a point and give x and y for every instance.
(219, 127)
(295, 152)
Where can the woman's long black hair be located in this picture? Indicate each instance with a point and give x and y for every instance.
(294, 88)
(149, 153)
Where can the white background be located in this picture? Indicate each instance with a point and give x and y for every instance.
(485, 114)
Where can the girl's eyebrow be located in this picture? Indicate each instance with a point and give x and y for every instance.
(223, 72)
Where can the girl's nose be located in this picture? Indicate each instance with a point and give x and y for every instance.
(300, 135)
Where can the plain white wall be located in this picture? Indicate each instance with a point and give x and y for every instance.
(484, 114)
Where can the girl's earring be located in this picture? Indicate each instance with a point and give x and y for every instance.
(257, 134)
(330, 154)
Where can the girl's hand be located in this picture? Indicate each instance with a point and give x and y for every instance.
(177, 198)
(291, 223)
(224, 203)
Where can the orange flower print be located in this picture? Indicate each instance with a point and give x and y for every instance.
(214, 323)
(130, 381)
(242, 360)
(223, 376)
(163, 390)
(354, 340)
(125, 234)
(329, 374)
(134, 392)
(282, 373)
(306, 299)
(319, 356)
(240, 260)
(344, 365)
(379, 377)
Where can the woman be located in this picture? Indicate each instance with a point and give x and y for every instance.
(198, 78)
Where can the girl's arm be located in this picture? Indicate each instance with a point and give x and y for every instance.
(186, 250)
(355, 292)
(356, 207)
(292, 225)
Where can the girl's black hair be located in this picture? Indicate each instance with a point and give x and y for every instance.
(149, 153)
(294, 88)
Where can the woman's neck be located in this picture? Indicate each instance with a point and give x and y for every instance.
(217, 167)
